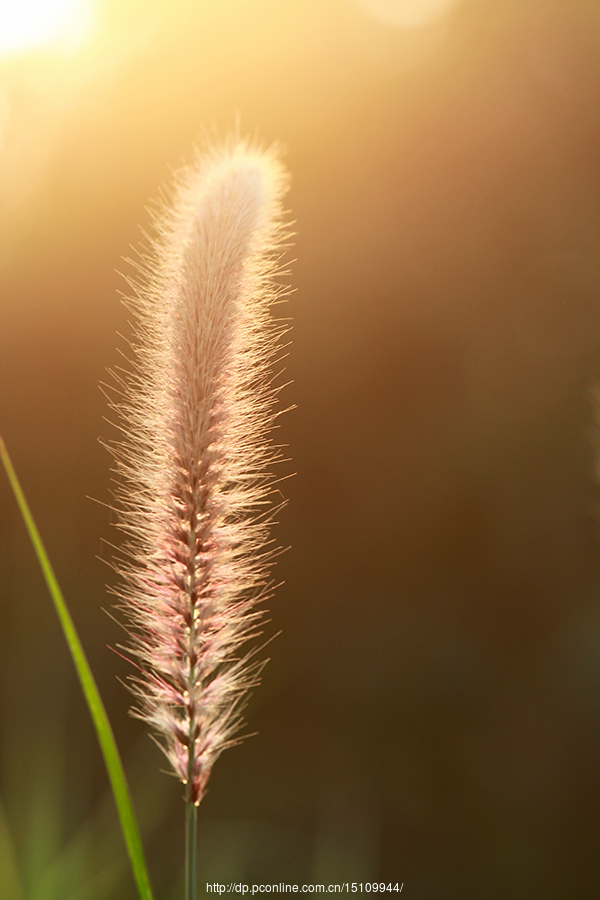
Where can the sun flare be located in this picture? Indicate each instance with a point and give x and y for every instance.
(29, 24)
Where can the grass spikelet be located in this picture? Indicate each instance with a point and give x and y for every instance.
(194, 481)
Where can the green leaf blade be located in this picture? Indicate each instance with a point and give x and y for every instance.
(110, 752)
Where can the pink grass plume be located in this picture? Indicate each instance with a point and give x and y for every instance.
(195, 484)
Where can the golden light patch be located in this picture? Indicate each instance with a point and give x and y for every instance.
(406, 13)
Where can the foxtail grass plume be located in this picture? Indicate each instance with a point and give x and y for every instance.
(194, 481)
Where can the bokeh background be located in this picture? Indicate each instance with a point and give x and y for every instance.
(431, 712)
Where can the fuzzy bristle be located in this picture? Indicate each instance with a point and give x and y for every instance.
(194, 465)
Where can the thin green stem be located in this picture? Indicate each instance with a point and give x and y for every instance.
(191, 829)
(108, 745)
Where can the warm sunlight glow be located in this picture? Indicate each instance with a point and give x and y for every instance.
(406, 13)
(27, 24)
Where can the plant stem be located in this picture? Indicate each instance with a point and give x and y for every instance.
(191, 822)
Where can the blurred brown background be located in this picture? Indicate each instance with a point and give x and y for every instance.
(431, 711)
